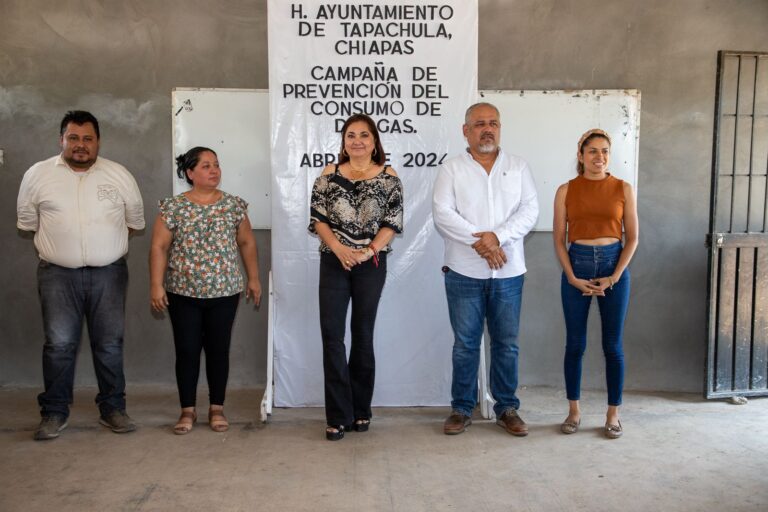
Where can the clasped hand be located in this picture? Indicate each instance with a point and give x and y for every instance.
(592, 287)
(488, 247)
(349, 257)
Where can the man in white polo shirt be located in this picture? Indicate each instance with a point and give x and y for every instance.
(484, 203)
(81, 207)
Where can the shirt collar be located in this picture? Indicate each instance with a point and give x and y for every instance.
(499, 159)
(61, 162)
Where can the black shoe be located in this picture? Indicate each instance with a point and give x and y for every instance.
(118, 422)
(334, 432)
(361, 424)
(50, 427)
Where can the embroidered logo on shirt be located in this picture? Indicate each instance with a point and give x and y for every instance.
(108, 192)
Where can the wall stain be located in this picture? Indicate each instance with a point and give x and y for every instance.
(133, 116)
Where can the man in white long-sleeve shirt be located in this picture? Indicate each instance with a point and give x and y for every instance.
(484, 203)
(81, 207)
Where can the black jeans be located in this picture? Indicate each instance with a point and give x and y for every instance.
(349, 386)
(202, 324)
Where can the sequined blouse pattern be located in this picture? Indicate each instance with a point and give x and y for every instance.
(356, 210)
(204, 256)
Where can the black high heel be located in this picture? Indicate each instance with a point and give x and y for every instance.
(362, 424)
(334, 436)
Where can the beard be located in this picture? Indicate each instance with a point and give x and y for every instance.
(80, 161)
(489, 147)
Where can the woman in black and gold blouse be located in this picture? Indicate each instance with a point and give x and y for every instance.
(357, 207)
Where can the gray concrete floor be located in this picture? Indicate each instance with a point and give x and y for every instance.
(678, 453)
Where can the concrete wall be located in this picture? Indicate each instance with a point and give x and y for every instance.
(120, 59)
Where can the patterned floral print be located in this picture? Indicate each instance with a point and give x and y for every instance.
(204, 257)
(356, 210)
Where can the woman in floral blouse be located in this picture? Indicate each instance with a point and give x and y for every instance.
(357, 207)
(194, 272)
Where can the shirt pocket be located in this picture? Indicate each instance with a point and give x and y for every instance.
(511, 188)
(106, 207)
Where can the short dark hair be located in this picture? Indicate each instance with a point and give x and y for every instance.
(378, 157)
(79, 117)
(189, 160)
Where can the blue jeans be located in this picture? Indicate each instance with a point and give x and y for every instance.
(472, 302)
(68, 295)
(591, 262)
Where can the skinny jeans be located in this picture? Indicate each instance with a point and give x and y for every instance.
(591, 262)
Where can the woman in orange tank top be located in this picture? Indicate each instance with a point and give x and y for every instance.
(591, 210)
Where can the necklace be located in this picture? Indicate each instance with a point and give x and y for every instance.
(360, 172)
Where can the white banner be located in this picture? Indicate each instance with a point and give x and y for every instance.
(411, 66)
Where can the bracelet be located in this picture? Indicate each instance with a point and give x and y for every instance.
(375, 254)
(610, 280)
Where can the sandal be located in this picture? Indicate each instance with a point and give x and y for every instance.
(613, 431)
(570, 427)
(362, 424)
(217, 421)
(334, 432)
(185, 427)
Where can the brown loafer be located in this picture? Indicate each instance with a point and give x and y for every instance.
(613, 431)
(456, 423)
(512, 423)
(570, 427)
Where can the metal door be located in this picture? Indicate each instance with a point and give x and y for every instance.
(737, 356)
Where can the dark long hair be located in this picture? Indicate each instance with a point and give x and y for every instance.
(378, 157)
(189, 161)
